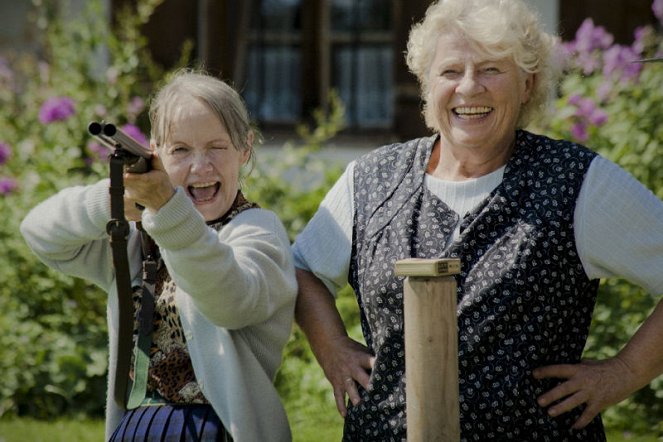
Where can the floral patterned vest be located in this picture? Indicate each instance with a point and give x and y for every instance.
(524, 300)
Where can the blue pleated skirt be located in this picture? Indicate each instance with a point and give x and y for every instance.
(166, 423)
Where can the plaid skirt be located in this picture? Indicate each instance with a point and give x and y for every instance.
(170, 422)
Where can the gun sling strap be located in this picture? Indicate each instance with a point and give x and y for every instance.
(118, 230)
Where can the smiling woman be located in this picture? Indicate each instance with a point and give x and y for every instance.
(475, 99)
(197, 151)
(215, 302)
(534, 221)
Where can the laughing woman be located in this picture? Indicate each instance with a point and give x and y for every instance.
(535, 222)
(225, 287)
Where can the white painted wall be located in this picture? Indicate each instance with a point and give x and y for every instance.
(549, 10)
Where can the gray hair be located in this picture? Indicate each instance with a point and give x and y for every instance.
(498, 29)
(221, 98)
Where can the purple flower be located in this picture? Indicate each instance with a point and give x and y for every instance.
(587, 112)
(589, 42)
(590, 37)
(579, 132)
(135, 106)
(657, 7)
(135, 133)
(598, 117)
(640, 37)
(604, 91)
(588, 62)
(5, 152)
(7, 185)
(56, 109)
(586, 106)
(620, 59)
(98, 151)
(575, 100)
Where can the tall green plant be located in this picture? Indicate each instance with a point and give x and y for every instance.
(294, 185)
(53, 345)
(52, 328)
(615, 106)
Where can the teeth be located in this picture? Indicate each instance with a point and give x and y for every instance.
(472, 110)
(200, 185)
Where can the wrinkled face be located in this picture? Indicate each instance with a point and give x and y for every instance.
(199, 156)
(475, 101)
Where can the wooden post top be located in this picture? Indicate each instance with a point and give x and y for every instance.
(427, 267)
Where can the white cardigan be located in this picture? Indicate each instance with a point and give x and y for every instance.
(236, 292)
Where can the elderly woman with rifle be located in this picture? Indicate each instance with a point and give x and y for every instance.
(535, 223)
(217, 296)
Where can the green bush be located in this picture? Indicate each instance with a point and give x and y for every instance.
(53, 353)
(615, 106)
(52, 328)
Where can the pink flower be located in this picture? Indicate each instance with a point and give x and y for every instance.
(579, 132)
(5, 152)
(575, 100)
(620, 59)
(135, 106)
(640, 37)
(590, 40)
(604, 91)
(598, 117)
(98, 151)
(7, 185)
(590, 37)
(134, 132)
(657, 7)
(56, 109)
(587, 112)
(585, 106)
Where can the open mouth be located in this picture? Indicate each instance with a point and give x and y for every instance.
(203, 192)
(472, 112)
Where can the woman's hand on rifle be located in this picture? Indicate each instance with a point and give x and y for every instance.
(150, 190)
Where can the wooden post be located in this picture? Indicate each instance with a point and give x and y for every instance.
(431, 349)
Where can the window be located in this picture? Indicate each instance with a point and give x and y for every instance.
(298, 49)
(362, 60)
(274, 62)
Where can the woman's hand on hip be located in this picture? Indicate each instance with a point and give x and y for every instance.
(346, 364)
(594, 384)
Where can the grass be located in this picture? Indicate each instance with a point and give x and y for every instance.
(306, 427)
(308, 424)
(22, 430)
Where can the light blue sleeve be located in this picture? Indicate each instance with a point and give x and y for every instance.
(325, 244)
(68, 233)
(619, 227)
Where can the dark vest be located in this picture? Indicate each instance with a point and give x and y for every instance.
(524, 300)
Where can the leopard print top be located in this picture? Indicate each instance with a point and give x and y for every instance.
(170, 373)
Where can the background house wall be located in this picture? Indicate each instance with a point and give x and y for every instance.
(284, 55)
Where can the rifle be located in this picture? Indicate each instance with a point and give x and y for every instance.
(136, 156)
